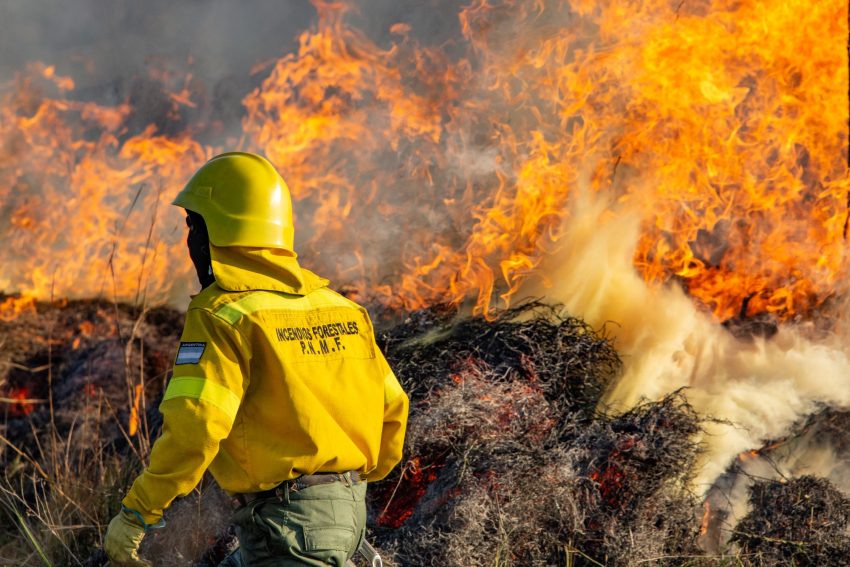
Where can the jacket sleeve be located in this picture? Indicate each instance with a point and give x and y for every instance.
(396, 406)
(198, 410)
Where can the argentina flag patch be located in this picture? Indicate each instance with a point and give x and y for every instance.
(190, 353)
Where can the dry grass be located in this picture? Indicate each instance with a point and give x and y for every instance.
(799, 522)
(70, 455)
(508, 461)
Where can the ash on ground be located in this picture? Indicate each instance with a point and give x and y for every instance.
(509, 459)
(803, 521)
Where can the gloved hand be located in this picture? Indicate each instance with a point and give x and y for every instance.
(123, 536)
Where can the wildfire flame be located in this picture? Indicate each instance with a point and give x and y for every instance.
(82, 198)
(12, 307)
(428, 173)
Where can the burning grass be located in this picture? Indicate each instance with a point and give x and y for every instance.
(73, 442)
(510, 459)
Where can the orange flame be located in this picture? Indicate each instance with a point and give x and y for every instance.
(725, 122)
(12, 307)
(430, 173)
(705, 523)
(80, 201)
(133, 424)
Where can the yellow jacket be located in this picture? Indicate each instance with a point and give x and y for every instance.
(270, 384)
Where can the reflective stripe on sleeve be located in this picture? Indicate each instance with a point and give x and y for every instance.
(203, 389)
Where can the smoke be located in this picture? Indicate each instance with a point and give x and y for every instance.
(814, 453)
(751, 390)
(108, 108)
(102, 40)
(433, 154)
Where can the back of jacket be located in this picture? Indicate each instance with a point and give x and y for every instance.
(268, 386)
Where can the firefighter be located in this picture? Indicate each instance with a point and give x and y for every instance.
(278, 389)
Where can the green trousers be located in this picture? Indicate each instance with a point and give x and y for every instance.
(318, 525)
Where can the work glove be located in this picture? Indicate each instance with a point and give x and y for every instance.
(123, 536)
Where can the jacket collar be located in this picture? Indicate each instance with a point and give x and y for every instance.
(238, 268)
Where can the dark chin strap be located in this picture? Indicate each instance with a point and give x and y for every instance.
(207, 278)
(198, 242)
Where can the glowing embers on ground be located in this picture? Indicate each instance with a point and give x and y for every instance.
(400, 498)
(19, 402)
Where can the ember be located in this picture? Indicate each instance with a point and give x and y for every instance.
(507, 453)
(19, 402)
(670, 177)
(402, 496)
(556, 473)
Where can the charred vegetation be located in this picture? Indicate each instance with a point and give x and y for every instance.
(510, 459)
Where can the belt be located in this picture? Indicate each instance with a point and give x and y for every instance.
(283, 489)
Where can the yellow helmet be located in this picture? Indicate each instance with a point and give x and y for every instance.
(244, 201)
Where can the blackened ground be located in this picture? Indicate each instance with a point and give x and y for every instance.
(70, 372)
(88, 360)
(509, 459)
(800, 522)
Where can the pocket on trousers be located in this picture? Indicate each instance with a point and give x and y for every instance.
(322, 538)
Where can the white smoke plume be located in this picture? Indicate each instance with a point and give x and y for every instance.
(753, 390)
